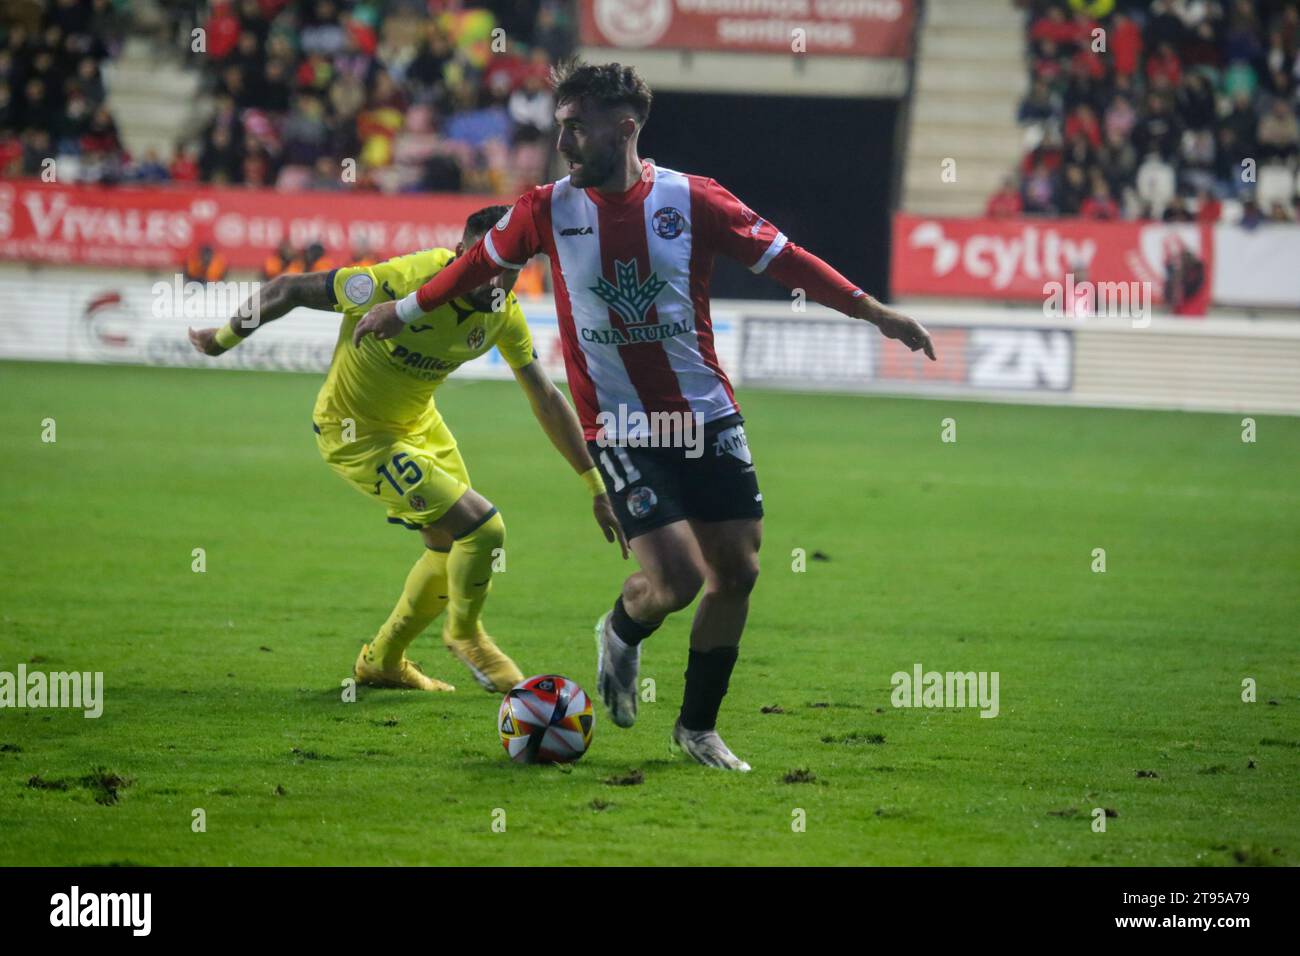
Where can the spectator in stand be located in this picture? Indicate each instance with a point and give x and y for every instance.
(1125, 43)
(219, 161)
(150, 169)
(1073, 190)
(1164, 69)
(221, 31)
(283, 259)
(1039, 104)
(1083, 122)
(1279, 213)
(1278, 133)
(1040, 192)
(185, 165)
(1006, 202)
(1177, 211)
(1100, 204)
(1251, 214)
(1208, 208)
(204, 264)
(314, 259)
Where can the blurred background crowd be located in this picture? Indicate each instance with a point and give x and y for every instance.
(389, 95)
(1188, 112)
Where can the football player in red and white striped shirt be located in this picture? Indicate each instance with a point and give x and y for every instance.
(632, 246)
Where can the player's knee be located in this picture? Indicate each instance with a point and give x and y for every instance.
(489, 534)
(735, 580)
(678, 590)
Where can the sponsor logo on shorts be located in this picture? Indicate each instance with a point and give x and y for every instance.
(732, 441)
(668, 223)
(641, 501)
(359, 288)
(476, 336)
(417, 502)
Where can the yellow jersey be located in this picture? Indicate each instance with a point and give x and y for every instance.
(388, 385)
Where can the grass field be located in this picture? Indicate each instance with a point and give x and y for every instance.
(222, 688)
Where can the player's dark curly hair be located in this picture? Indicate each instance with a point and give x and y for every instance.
(609, 84)
(480, 222)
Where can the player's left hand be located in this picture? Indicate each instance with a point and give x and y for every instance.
(895, 325)
(603, 509)
(205, 341)
(381, 321)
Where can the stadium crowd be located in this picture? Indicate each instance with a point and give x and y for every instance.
(1159, 109)
(52, 96)
(391, 95)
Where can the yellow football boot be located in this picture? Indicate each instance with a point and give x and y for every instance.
(495, 672)
(407, 676)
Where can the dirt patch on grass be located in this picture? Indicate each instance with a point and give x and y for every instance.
(633, 778)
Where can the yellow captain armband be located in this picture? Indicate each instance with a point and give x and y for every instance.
(593, 481)
(227, 338)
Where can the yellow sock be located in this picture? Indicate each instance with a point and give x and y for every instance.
(469, 575)
(423, 598)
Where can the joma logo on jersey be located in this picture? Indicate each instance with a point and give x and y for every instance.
(631, 298)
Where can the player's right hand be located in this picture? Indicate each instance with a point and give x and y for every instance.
(205, 341)
(608, 521)
(382, 321)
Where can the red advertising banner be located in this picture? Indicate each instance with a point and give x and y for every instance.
(861, 28)
(152, 228)
(1046, 259)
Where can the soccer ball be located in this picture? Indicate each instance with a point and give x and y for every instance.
(546, 719)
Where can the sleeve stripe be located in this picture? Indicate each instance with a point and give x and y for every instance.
(329, 285)
(492, 252)
(777, 245)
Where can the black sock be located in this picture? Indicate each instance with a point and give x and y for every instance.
(707, 675)
(630, 632)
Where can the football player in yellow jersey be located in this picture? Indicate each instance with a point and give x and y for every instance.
(377, 426)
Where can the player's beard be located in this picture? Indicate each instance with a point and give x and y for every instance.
(594, 169)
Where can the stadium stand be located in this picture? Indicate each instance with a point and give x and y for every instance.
(1188, 113)
(968, 69)
(295, 94)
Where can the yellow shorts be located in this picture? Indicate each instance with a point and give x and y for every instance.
(417, 476)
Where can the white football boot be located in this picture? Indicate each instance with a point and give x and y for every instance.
(706, 747)
(617, 665)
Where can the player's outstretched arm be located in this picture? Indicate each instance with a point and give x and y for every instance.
(558, 420)
(895, 325)
(796, 268)
(281, 295)
(464, 274)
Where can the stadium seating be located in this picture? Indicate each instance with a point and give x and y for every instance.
(280, 92)
(1180, 106)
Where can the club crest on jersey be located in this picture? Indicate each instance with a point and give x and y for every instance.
(631, 298)
(475, 337)
(416, 502)
(668, 223)
(641, 501)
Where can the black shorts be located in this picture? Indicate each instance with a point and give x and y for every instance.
(652, 487)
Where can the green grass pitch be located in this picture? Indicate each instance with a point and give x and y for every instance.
(223, 688)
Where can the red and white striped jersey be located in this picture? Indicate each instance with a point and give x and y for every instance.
(631, 276)
(631, 279)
